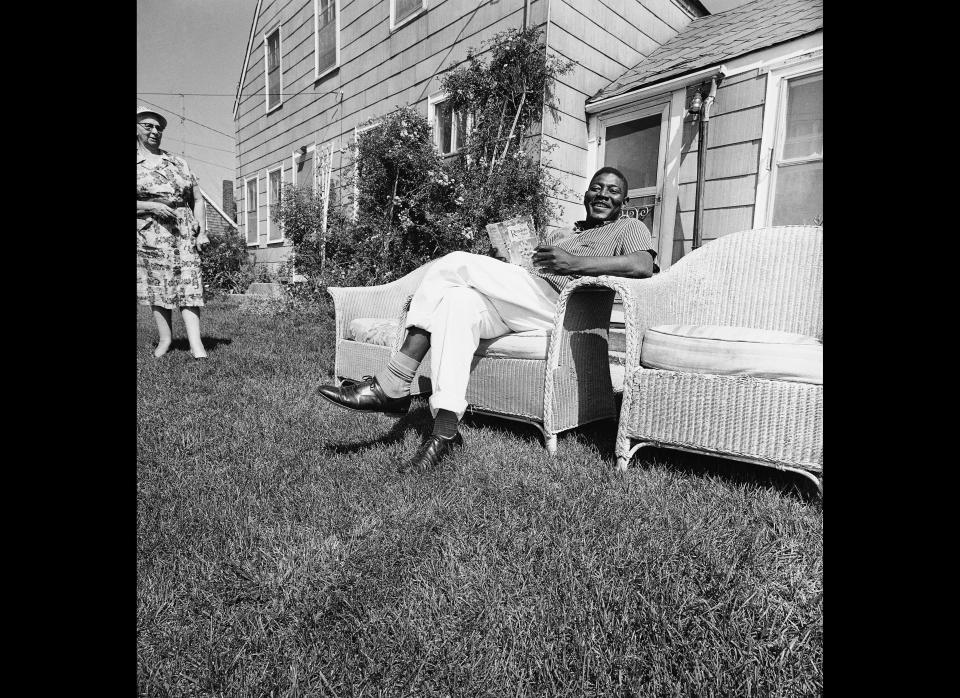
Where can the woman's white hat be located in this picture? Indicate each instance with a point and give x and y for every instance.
(154, 112)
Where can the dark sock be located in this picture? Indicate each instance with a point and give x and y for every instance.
(396, 377)
(445, 424)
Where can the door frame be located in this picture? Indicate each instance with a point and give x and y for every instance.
(633, 112)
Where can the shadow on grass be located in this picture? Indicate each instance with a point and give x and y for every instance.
(417, 419)
(209, 343)
(735, 472)
(600, 435)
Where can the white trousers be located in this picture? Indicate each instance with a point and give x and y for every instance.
(464, 298)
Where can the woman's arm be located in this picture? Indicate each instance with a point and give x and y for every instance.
(157, 209)
(199, 212)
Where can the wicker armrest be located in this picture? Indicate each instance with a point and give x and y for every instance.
(381, 301)
(581, 308)
(646, 302)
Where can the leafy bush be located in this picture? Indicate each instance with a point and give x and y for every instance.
(415, 205)
(225, 265)
(506, 98)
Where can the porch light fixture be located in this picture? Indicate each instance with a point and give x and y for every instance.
(695, 103)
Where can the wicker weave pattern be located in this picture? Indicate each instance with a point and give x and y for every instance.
(576, 389)
(775, 421)
(768, 278)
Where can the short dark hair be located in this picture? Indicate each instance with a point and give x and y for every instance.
(615, 172)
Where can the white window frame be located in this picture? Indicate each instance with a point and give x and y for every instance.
(435, 101)
(266, 66)
(270, 222)
(317, 73)
(246, 209)
(633, 113)
(357, 132)
(311, 150)
(394, 25)
(775, 105)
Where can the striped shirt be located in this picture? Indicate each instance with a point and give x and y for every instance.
(619, 237)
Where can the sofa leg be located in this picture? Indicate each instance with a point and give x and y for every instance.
(550, 441)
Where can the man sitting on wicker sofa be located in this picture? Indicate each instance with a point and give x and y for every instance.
(465, 297)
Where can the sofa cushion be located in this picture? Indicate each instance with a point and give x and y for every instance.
(373, 330)
(517, 345)
(733, 351)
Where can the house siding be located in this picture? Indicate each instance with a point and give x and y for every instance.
(379, 70)
(605, 38)
(733, 159)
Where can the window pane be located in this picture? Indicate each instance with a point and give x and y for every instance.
(274, 188)
(461, 130)
(632, 148)
(326, 35)
(327, 13)
(799, 195)
(252, 210)
(273, 69)
(404, 8)
(305, 171)
(804, 128)
(444, 127)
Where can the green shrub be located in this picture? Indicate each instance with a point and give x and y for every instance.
(415, 205)
(225, 265)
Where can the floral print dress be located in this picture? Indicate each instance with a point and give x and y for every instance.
(168, 261)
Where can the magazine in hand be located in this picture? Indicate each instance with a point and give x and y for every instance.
(516, 238)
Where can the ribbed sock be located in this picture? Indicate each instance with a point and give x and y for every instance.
(395, 379)
(445, 424)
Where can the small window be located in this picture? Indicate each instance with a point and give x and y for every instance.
(251, 205)
(798, 157)
(450, 126)
(274, 192)
(274, 71)
(402, 11)
(327, 36)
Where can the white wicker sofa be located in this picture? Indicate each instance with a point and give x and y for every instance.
(762, 282)
(555, 380)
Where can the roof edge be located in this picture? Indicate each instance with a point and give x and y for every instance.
(213, 203)
(694, 71)
(673, 82)
(246, 59)
(694, 8)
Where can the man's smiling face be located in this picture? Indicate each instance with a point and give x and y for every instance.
(605, 197)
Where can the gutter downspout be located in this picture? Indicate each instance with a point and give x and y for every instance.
(704, 129)
(526, 13)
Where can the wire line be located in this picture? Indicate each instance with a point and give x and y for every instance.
(188, 94)
(187, 118)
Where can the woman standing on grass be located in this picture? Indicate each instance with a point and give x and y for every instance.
(169, 235)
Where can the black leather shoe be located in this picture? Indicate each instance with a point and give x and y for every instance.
(431, 452)
(365, 396)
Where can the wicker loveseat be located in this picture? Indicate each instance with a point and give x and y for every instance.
(768, 279)
(553, 380)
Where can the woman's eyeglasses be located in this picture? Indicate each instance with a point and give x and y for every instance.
(151, 127)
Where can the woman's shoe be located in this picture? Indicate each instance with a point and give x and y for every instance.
(202, 357)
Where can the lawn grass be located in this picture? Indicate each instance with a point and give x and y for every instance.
(280, 554)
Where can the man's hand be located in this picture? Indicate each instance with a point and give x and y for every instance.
(497, 254)
(553, 260)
